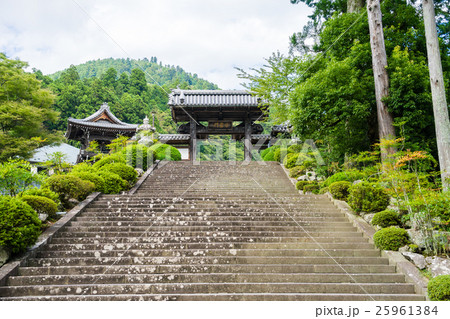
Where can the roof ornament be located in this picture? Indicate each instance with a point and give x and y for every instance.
(182, 97)
(146, 126)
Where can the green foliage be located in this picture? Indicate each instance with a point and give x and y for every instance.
(340, 190)
(269, 153)
(301, 184)
(386, 218)
(348, 175)
(94, 178)
(113, 183)
(118, 144)
(311, 187)
(109, 159)
(19, 224)
(126, 172)
(439, 288)
(367, 197)
(436, 204)
(69, 186)
(139, 156)
(42, 205)
(25, 109)
(166, 152)
(16, 177)
(43, 192)
(297, 171)
(391, 238)
(324, 190)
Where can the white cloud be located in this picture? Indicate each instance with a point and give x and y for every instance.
(207, 37)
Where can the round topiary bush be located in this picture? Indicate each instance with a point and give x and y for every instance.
(139, 156)
(44, 192)
(280, 154)
(296, 171)
(126, 172)
(113, 183)
(94, 178)
(113, 158)
(367, 197)
(69, 186)
(295, 148)
(42, 205)
(20, 226)
(166, 152)
(312, 187)
(386, 218)
(439, 288)
(340, 190)
(391, 238)
(349, 176)
(324, 190)
(301, 184)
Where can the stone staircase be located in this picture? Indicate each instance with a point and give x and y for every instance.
(213, 231)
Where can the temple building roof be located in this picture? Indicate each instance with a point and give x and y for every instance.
(103, 120)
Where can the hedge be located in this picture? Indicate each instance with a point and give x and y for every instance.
(42, 205)
(439, 288)
(391, 238)
(367, 197)
(340, 190)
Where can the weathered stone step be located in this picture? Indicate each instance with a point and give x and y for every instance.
(215, 219)
(203, 224)
(158, 250)
(153, 227)
(213, 236)
(112, 257)
(207, 213)
(205, 268)
(189, 288)
(204, 278)
(228, 297)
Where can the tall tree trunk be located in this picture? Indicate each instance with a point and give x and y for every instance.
(354, 6)
(440, 108)
(386, 129)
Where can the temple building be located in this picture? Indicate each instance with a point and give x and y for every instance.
(200, 113)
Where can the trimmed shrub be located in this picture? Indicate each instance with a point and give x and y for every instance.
(166, 152)
(20, 226)
(386, 218)
(312, 187)
(296, 171)
(439, 288)
(113, 183)
(340, 190)
(94, 178)
(69, 186)
(324, 190)
(42, 205)
(139, 156)
(82, 167)
(113, 158)
(126, 172)
(280, 154)
(268, 153)
(367, 197)
(296, 148)
(44, 192)
(391, 238)
(349, 176)
(296, 159)
(300, 184)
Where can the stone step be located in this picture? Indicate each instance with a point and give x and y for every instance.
(203, 278)
(193, 288)
(227, 297)
(159, 250)
(215, 219)
(113, 257)
(206, 269)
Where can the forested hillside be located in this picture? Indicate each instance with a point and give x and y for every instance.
(132, 88)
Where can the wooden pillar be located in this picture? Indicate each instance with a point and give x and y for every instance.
(193, 141)
(248, 140)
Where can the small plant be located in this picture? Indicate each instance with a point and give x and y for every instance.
(391, 238)
(439, 288)
(349, 176)
(19, 224)
(113, 183)
(386, 218)
(340, 190)
(42, 205)
(367, 197)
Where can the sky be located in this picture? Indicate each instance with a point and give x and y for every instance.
(206, 37)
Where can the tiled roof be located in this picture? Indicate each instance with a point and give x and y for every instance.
(103, 124)
(213, 98)
(174, 137)
(99, 119)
